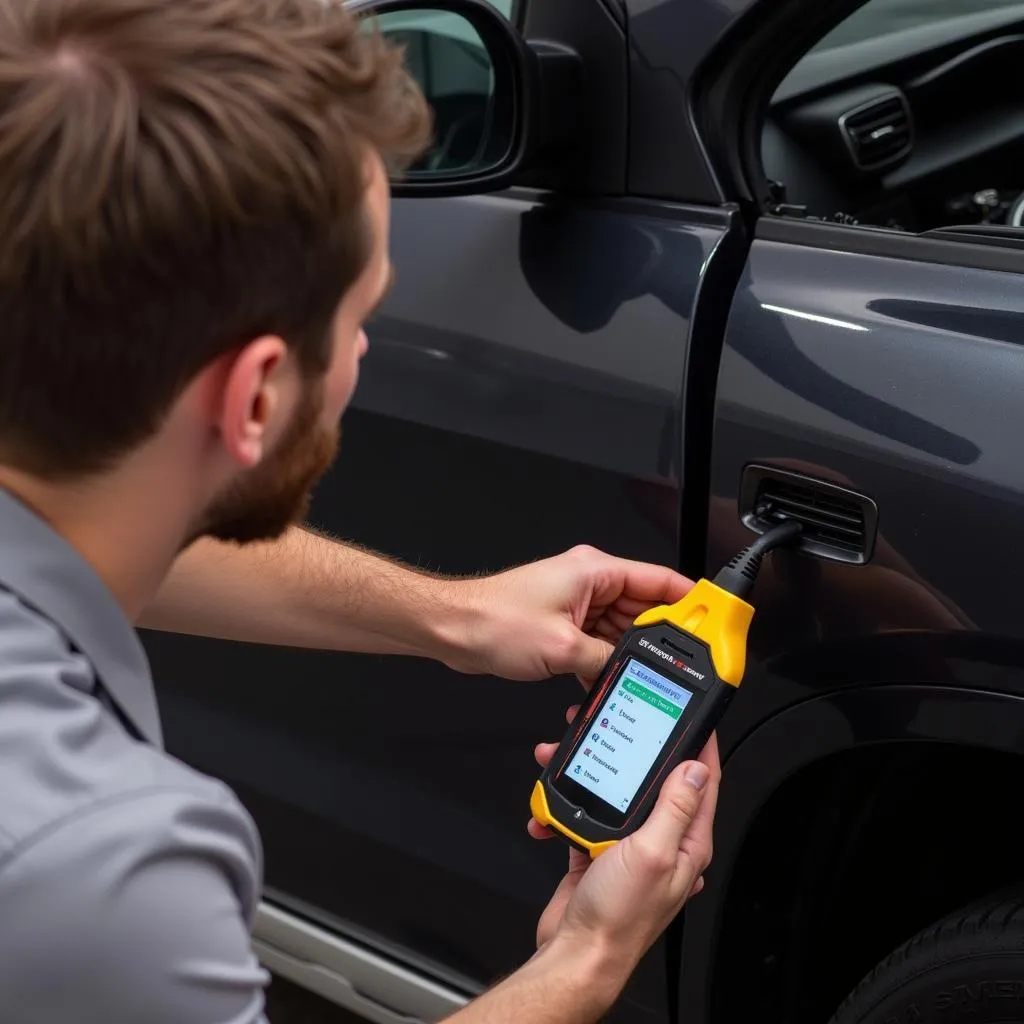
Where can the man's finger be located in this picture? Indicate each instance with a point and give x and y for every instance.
(543, 752)
(619, 621)
(539, 831)
(699, 835)
(604, 630)
(630, 606)
(653, 584)
(678, 804)
(590, 656)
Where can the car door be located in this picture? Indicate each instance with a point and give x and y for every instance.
(870, 386)
(524, 392)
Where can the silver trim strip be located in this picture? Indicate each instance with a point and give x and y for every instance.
(346, 974)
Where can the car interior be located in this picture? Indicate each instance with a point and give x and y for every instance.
(908, 116)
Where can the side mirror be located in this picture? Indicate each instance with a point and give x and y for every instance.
(482, 82)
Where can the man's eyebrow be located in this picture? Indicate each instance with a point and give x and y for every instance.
(388, 285)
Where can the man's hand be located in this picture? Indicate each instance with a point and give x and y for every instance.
(626, 898)
(559, 615)
(605, 915)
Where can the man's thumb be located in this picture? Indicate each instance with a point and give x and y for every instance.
(592, 655)
(677, 805)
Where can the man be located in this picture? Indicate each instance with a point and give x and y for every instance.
(194, 210)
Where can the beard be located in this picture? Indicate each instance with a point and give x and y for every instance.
(275, 494)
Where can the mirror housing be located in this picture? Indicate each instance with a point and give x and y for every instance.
(528, 120)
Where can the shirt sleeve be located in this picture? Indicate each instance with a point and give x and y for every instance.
(135, 910)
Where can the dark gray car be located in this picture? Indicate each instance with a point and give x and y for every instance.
(676, 268)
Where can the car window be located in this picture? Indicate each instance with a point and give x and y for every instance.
(880, 17)
(882, 124)
(503, 7)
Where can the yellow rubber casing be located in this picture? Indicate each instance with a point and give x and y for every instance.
(722, 620)
(709, 613)
(539, 809)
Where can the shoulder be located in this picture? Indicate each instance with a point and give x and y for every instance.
(68, 757)
(29, 641)
(136, 908)
(132, 878)
(41, 675)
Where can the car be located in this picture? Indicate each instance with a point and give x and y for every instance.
(673, 271)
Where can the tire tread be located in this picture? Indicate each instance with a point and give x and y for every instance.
(991, 926)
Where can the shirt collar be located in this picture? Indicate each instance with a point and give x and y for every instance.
(45, 571)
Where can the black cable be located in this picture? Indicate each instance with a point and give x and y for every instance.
(739, 576)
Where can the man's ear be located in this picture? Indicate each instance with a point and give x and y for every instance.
(252, 397)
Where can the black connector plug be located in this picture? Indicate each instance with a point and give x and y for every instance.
(739, 576)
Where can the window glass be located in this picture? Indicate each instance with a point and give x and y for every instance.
(906, 116)
(880, 17)
(503, 7)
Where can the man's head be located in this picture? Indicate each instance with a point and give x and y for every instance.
(194, 217)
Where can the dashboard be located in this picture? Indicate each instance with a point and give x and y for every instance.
(914, 130)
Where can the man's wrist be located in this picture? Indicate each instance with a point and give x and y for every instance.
(457, 625)
(565, 982)
(591, 968)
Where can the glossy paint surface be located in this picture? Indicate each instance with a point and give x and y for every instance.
(525, 392)
(522, 394)
(900, 380)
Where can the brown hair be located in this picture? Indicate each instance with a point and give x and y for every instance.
(177, 177)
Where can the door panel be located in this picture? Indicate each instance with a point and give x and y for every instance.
(521, 395)
(901, 380)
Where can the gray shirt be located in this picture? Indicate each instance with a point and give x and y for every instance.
(128, 881)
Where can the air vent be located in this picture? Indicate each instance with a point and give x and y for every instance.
(878, 133)
(838, 524)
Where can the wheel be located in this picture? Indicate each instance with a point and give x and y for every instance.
(967, 969)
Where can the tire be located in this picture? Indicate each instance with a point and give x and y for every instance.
(967, 969)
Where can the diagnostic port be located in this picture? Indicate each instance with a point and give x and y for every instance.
(838, 524)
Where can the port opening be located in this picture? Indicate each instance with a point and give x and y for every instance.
(838, 524)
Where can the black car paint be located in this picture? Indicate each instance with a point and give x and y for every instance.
(905, 385)
(546, 373)
(496, 421)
